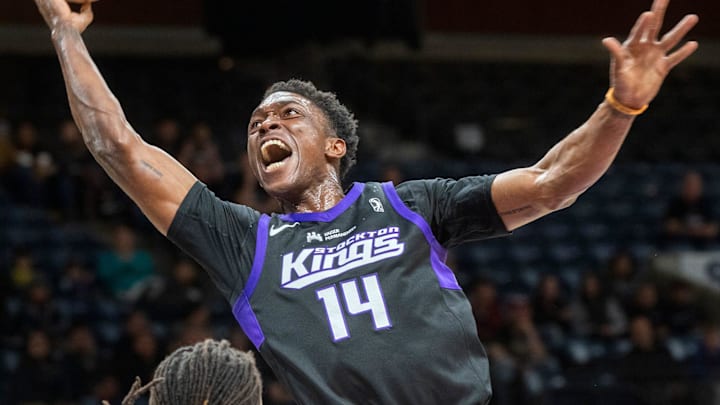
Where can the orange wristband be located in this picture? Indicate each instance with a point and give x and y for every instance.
(620, 107)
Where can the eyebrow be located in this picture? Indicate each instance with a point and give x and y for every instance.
(279, 104)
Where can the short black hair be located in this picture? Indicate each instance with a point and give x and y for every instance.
(341, 120)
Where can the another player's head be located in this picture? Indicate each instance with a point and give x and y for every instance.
(299, 137)
(207, 373)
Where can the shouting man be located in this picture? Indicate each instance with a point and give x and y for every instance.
(346, 293)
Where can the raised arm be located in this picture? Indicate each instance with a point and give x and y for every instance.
(151, 177)
(637, 71)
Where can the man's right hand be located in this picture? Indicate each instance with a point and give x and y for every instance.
(152, 178)
(58, 12)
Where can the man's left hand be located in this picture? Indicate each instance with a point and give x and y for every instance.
(640, 64)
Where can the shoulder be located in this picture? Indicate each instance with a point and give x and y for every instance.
(440, 189)
(202, 207)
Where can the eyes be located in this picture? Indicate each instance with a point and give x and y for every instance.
(288, 112)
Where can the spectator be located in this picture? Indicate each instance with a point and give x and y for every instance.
(520, 357)
(650, 368)
(392, 173)
(107, 388)
(549, 306)
(174, 298)
(621, 275)
(689, 219)
(518, 332)
(144, 355)
(125, 269)
(193, 331)
(31, 177)
(76, 173)
(201, 155)
(681, 314)
(705, 366)
(486, 308)
(167, 136)
(40, 310)
(79, 289)
(39, 377)
(644, 303)
(23, 271)
(83, 363)
(595, 313)
(137, 323)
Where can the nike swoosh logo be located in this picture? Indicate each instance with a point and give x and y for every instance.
(274, 231)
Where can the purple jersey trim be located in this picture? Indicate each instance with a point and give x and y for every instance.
(248, 321)
(259, 259)
(332, 213)
(438, 254)
(242, 310)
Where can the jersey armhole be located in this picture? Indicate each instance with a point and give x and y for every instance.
(242, 309)
(438, 254)
(258, 257)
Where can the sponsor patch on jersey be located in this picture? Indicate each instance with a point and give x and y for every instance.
(336, 234)
(301, 269)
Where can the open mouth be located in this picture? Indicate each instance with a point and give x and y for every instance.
(274, 153)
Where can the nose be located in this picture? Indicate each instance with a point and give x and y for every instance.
(270, 123)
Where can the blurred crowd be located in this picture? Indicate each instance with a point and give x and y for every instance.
(81, 330)
(58, 173)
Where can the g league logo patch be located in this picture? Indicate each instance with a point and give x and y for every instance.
(376, 204)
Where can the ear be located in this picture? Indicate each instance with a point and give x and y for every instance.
(335, 148)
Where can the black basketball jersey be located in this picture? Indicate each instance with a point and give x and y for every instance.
(355, 304)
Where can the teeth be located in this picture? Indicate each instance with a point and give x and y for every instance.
(275, 165)
(265, 149)
(266, 144)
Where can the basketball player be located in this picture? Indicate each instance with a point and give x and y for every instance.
(208, 372)
(346, 294)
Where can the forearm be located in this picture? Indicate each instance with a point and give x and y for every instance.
(95, 109)
(579, 160)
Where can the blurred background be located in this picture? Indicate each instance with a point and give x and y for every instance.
(613, 299)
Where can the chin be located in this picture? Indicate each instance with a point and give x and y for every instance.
(282, 188)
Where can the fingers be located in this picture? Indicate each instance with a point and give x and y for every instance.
(673, 37)
(639, 30)
(82, 19)
(614, 47)
(86, 12)
(658, 9)
(681, 54)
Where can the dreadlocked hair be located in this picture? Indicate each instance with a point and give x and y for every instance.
(341, 120)
(207, 373)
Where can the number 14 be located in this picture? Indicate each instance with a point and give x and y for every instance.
(375, 304)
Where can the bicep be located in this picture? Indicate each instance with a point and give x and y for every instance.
(522, 196)
(153, 179)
